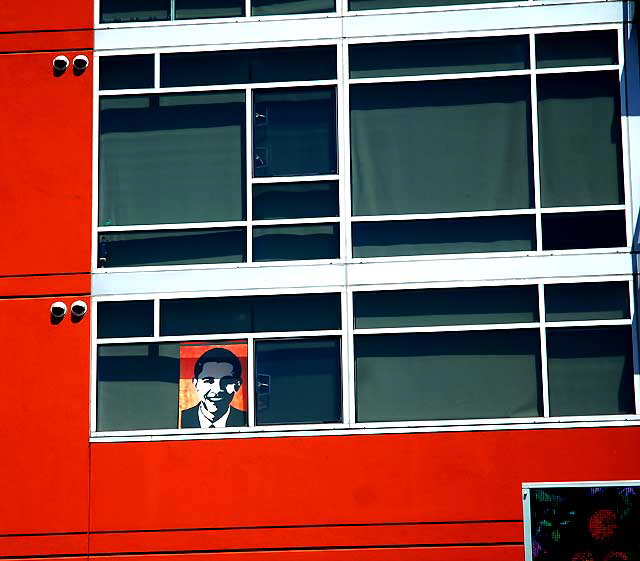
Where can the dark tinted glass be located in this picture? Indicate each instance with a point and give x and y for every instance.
(283, 7)
(441, 146)
(192, 9)
(446, 306)
(125, 319)
(172, 247)
(462, 375)
(580, 158)
(585, 48)
(117, 11)
(122, 72)
(590, 371)
(581, 230)
(287, 243)
(167, 159)
(290, 312)
(453, 235)
(447, 56)
(138, 386)
(294, 132)
(386, 4)
(295, 200)
(298, 381)
(589, 300)
(248, 66)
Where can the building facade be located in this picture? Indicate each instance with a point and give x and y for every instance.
(412, 223)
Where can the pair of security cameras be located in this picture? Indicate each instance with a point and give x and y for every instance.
(61, 63)
(59, 309)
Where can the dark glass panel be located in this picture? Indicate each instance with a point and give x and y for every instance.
(192, 9)
(294, 132)
(589, 300)
(292, 242)
(119, 11)
(584, 48)
(590, 370)
(581, 230)
(172, 247)
(445, 56)
(580, 158)
(126, 72)
(295, 200)
(283, 7)
(298, 381)
(125, 319)
(446, 306)
(461, 375)
(137, 386)
(441, 146)
(175, 158)
(386, 4)
(447, 235)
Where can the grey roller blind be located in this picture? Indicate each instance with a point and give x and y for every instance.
(386, 4)
(189, 9)
(584, 48)
(444, 146)
(295, 200)
(118, 11)
(585, 301)
(131, 318)
(172, 158)
(122, 72)
(463, 375)
(291, 242)
(283, 7)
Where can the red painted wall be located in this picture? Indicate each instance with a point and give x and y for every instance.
(35, 15)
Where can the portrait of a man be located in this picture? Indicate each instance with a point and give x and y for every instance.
(217, 377)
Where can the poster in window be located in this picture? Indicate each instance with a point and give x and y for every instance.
(212, 392)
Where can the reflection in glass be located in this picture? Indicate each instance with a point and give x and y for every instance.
(119, 11)
(283, 7)
(584, 48)
(125, 319)
(585, 301)
(192, 9)
(581, 230)
(126, 72)
(295, 200)
(293, 242)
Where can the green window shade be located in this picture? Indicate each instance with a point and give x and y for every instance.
(290, 312)
(191, 9)
(580, 158)
(462, 375)
(137, 386)
(122, 72)
(585, 48)
(283, 7)
(295, 200)
(451, 235)
(172, 247)
(119, 11)
(410, 58)
(441, 146)
(167, 159)
(387, 4)
(590, 371)
(586, 301)
(294, 132)
(125, 319)
(298, 381)
(287, 243)
(445, 306)
(582, 230)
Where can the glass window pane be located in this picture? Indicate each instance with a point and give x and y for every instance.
(295, 200)
(451, 235)
(172, 247)
(288, 312)
(167, 159)
(590, 371)
(462, 375)
(118, 11)
(122, 72)
(294, 132)
(282, 7)
(589, 300)
(581, 230)
(288, 243)
(248, 66)
(585, 48)
(409, 58)
(137, 386)
(191, 9)
(298, 381)
(445, 306)
(386, 4)
(441, 146)
(580, 159)
(125, 319)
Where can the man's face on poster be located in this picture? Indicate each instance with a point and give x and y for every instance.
(216, 385)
